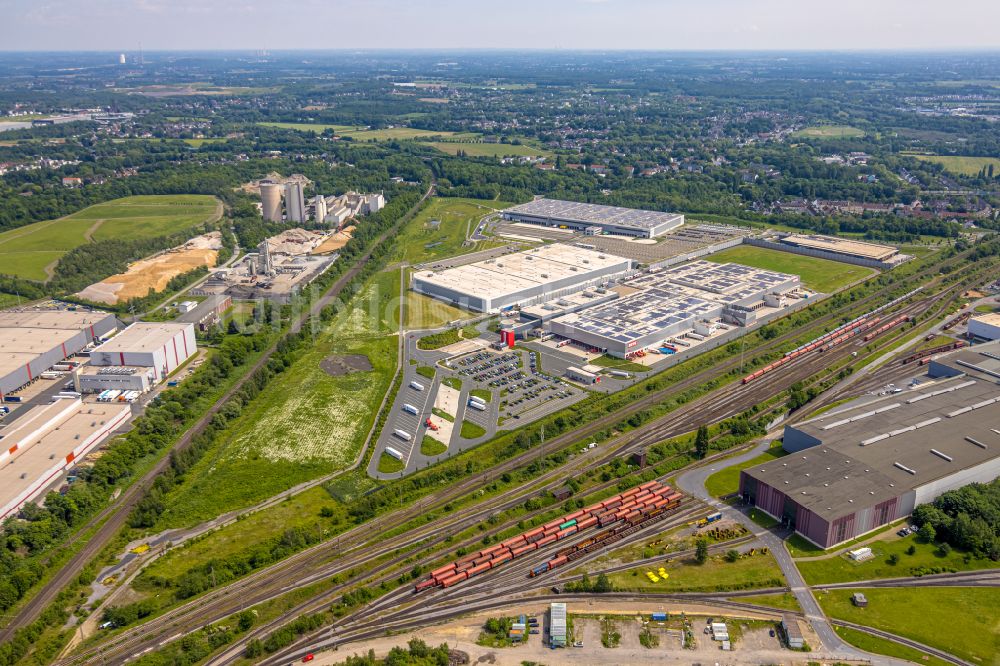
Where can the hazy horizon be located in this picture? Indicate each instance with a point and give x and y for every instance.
(569, 25)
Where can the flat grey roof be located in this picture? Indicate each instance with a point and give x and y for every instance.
(587, 213)
(882, 448)
(842, 245)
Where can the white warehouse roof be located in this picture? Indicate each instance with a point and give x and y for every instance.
(143, 337)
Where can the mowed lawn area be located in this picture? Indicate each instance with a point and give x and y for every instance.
(870, 643)
(962, 621)
(925, 559)
(29, 250)
(716, 575)
(828, 132)
(821, 275)
(966, 166)
(727, 480)
(439, 230)
(426, 312)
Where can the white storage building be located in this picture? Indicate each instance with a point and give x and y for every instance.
(521, 278)
(985, 327)
(163, 346)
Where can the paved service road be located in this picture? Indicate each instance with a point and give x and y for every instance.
(693, 483)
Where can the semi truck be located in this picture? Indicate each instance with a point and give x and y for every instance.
(394, 453)
(409, 409)
(476, 405)
(402, 434)
(416, 386)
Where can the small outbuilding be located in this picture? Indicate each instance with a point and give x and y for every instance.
(793, 632)
(859, 600)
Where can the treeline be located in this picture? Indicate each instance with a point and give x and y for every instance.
(967, 518)
(38, 529)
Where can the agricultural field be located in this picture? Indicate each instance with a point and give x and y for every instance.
(421, 240)
(821, 275)
(727, 480)
(925, 558)
(306, 423)
(828, 132)
(489, 149)
(962, 621)
(716, 575)
(965, 166)
(32, 251)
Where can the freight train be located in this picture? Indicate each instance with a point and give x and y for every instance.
(630, 507)
(924, 355)
(885, 327)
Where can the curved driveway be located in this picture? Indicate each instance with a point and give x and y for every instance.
(693, 483)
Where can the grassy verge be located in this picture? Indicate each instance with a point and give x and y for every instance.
(425, 371)
(961, 621)
(471, 430)
(716, 575)
(389, 465)
(877, 645)
(485, 394)
(440, 413)
(727, 481)
(432, 447)
(613, 363)
(453, 382)
(782, 601)
(925, 559)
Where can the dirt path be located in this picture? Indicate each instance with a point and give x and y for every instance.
(89, 233)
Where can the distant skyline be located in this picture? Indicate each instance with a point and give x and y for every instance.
(120, 25)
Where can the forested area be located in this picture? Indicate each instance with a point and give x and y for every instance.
(968, 518)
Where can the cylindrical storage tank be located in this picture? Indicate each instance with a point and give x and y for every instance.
(270, 199)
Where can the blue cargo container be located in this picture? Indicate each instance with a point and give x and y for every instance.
(659, 617)
(667, 350)
(540, 569)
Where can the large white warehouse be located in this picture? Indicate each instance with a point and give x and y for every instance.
(521, 278)
(161, 346)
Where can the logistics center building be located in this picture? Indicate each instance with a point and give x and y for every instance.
(32, 341)
(522, 278)
(672, 301)
(595, 217)
(855, 469)
(161, 346)
(47, 440)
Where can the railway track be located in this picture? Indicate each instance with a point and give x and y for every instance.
(280, 577)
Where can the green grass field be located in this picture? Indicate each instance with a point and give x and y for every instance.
(613, 363)
(302, 510)
(965, 166)
(426, 312)
(9, 300)
(28, 250)
(389, 465)
(472, 430)
(305, 423)
(962, 621)
(727, 480)
(839, 568)
(716, 575)
(782, 601)
(489, 149)
(821, 275)
(456, 217)
(828, 132)
(432, 447)
(878, 645)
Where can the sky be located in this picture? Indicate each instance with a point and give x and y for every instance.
(120, 25)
